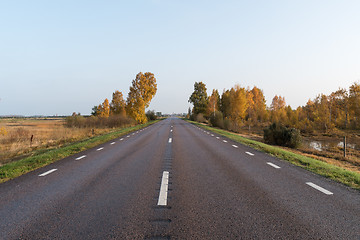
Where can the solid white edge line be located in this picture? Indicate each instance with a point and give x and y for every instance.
(48, 172)
(249, 153)
(273, 165)
(235, 146)
(170, 140)
(162, 201)
(99, 149)
(323, 190)
(80, 157)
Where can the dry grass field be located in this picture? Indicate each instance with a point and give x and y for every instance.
(21, 136)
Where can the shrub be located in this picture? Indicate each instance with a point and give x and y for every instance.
(151, 116)
(282, 136)
(217, 120)
(98, 122)
(200, 118)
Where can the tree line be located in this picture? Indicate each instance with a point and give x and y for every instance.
(120, 111)
(241, 107)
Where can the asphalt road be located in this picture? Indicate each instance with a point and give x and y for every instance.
(174, 180)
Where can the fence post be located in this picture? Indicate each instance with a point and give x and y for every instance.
(345, 146)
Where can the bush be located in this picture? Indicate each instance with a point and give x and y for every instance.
(282, 136)
(200, 118)
(151, 116)
(217, 120)
(99, 122)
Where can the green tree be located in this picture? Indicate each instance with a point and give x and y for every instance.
(199, 98)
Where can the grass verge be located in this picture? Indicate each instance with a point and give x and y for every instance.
(349, 178)
(17, 168)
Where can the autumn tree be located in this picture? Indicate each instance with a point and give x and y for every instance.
(199, 98)
(213, 103)
(256, 111)
(278, 113)
(238, 105)
(225, 103)
(354, 104)
(103, 110)
(117, 105)
(142, 90)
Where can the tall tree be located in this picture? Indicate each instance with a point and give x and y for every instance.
(213, 103)
(103, 110)
(278, 113)
(354, 100)
(117, 105)
(142, 90)
(199, 98)
(238, 105)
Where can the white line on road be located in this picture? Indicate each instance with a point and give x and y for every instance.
(212, 135)
(235, 146)
(170, 140)
(83, 156)
(224, 141)
(171, 130)
(112, 143)
(128, 136)
(99, 149)
(323, 190)
(273, 165)
(121, 139)
(48, 172)
(251, 154)
(217, 138)
(164, 189)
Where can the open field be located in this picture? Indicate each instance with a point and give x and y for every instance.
(21, 137)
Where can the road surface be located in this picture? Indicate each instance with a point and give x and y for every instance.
(173, 180)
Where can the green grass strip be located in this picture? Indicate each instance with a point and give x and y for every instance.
(17, 168)
(347, 177)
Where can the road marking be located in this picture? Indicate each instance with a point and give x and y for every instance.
(48, 172)
(121, 139)
(133, 134)
(251, 154)
(99, 149)
(128, 136)
(112, 143)
(170, 140)
(83, 156)
(212, 135)
(273, 165)
(217, 138)
(164, 189)
(323, 190)
(224, 141)
(171, 130)
(235, 146)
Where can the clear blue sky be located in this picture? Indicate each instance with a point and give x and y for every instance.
(59, 57)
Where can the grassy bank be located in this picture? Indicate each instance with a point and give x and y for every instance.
(349, 178)
(42, 158)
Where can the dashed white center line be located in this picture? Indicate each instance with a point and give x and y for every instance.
(162, 201)
(224, 141)
(323, 190)
(217, 138)
(171, 130)
(128, 136)
(235, 146)
(273, 165)
(48, 172)
(170, 140)
(249, 153)
(112, 143)
(83, 156)
(212, 135)
(121, 139)
(99, 149)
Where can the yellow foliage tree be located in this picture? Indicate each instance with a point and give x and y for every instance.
(143, 89)
(213, 103)
(238, 105)
(117, 105)
(103, 109)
